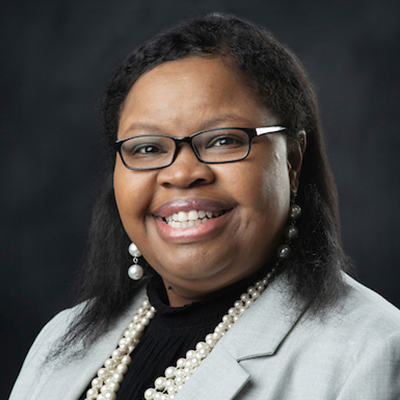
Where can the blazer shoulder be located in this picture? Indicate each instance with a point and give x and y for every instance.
(35, 367)
(369, 310)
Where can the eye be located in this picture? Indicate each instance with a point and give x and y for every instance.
(145, 147)
(230, 141)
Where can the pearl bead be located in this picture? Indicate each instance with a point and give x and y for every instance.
(110, 363)
(135, 272)
(283, 251)
(194, 361)
(216, 336)
(159, 383)
(110, 396)
(178, 380)
(251, 290)
(244, 297)
(123, 349)
(226, 318)
(103, 373)
(113, 386)
(169, 383)
(190, 354)
(118, 377)
(291, 232)
(295, 211)
(181, 362)
(134, 251)
(237, 303)
(200, 345)
(97, 383)
(219, 330)
(255, 295)
(117, 353)
(150, 314)
(232, 311)
(122, 368)
(92, 393)
(149, 394)
(126, 360)
(170, 372)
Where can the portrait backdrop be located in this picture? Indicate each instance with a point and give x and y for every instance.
(56, 56)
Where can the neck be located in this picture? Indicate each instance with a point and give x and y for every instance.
(179, 297)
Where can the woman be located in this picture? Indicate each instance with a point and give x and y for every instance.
(216, 150)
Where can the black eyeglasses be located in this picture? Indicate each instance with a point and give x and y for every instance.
(211, 146)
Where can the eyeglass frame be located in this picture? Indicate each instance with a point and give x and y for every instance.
(251, 133)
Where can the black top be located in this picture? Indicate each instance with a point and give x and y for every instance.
(173, 331)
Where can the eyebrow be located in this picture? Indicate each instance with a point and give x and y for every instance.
(212, 123)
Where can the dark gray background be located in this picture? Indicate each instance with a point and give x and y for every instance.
(55, 58)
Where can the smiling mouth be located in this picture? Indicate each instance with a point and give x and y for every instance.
(191, 219)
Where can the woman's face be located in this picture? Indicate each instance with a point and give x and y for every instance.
(248, 200)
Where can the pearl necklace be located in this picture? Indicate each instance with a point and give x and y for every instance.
(109, 377)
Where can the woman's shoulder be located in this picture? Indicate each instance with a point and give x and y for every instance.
(369, 310)
(35, 369)
(54, 329)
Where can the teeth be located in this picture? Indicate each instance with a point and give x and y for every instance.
(190, 219)
(182, 216)
(193, 215)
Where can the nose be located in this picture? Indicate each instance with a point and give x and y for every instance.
(186, 171)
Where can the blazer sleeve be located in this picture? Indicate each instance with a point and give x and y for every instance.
(34, 369)
(377, 374)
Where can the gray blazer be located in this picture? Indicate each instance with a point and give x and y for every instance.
(271, 353)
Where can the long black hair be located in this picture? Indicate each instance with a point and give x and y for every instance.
(279, 81)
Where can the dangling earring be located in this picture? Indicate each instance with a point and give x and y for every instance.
(291, 232)
(135, 271)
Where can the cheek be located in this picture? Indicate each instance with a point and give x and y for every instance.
(262, 187)
(131, 195)
(275, 184)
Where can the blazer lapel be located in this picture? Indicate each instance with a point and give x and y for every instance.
(219, 377)
(258, 333)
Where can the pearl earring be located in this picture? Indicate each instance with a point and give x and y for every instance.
(135, 271)
(291, 232)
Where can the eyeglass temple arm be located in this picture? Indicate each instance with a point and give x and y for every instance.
(269, 129)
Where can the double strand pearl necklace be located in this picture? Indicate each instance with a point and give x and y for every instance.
(109, 377)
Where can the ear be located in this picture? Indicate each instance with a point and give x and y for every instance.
(295, 152)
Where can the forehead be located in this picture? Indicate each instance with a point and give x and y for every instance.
(190, 91)
(192, 73)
